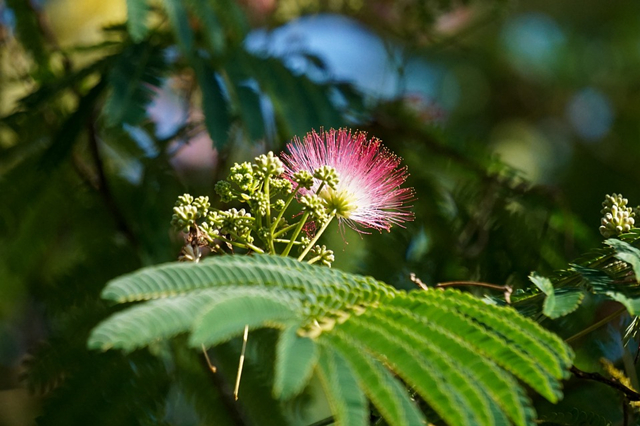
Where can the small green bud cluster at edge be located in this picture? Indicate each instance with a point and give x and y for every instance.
(261, 226)
(617, 217)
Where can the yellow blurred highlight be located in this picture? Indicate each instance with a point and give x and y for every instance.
(523, 147)
(80, 22)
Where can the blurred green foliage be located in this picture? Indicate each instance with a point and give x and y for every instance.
(530, 118)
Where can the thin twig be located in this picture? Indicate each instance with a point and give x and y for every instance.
(234, 410)
(414, 278)
(596, 325)
(236, 389)
(103, 186)
(507, 289)
(324, 422)
(472, 283)
(206, 356)
(630, 394)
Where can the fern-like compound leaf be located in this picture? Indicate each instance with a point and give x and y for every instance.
(347, 401)
(227, 316)
(296, 357)
(460, 355)
(384, 391)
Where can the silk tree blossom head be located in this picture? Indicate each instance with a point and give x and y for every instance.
(368, 192)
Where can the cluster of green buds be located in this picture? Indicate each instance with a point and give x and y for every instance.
(261, 225)
(617, 217)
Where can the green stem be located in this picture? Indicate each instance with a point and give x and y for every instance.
(314, 260)
(284, 230)
(272, 249)
(296, 233)
(285, 241)
(596, 325)
(286, 206)
(242, 245)
(317, 236)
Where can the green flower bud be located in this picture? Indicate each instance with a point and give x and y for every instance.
(269, 165)
(242, 175)
(326, 256)
(279, 205)
(304, 243)
(184, 200)
(264, 233)
(215, 219)
(202, 204)
(183, 217)
(314, 205)
(303, 178)
(259, 203)
(210, 232)
(280, 186)
(225, 191)
(617, 217)
(328, 175)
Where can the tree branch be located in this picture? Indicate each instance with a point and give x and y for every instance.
(103, 186)
(630, 394)
(506, 288)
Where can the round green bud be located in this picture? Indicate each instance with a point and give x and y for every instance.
(184, 200)
(225, 191)
(183, 217)
(269, 164)
(303, 178)
(259, 203)
(326, 256)
(242, 175)
(281, 185)
(617, 217)
(202, 204)
(279, 205)
(314, 205)
(328, 175)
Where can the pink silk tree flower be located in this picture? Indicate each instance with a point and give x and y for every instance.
(368, 193)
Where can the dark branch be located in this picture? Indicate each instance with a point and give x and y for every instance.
(506, 288)
(630, 394)
(324, 422)
(103, 187)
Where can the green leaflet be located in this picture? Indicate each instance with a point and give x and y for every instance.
(497, 383)
(138, 70)
(345, 397)
(386, 393)
(422, 372)
(611, 271)
(600, 283)
(627, 253)
(178, 278)
(227, 316)
(68, 133)
(445, 310)
(458, 353)
(179, 18)
(251, 111)
(214, 31)
(214, 103)
(137, 13)
(559, 302)
(143, 324)
(295, 358)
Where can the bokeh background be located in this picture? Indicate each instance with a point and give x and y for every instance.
(514, 119)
